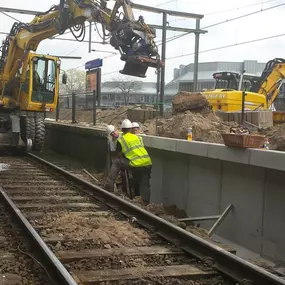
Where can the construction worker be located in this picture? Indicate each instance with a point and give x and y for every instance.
(130, 147)
(135, 128)
(117, 163)
(113, 134)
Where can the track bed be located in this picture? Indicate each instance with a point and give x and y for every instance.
(97, 244)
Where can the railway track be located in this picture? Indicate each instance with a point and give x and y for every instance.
(101, 239)
(19, 262)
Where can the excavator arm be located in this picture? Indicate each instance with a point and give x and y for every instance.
(271, 80)
(132, 38)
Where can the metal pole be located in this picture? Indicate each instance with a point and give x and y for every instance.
(57, 111)
(98, 86)
(73, 108)
(94, 107)
(220, 220)
(86, 101)
(157, 88)
(242, 107)
(163, 55)
(90, 35)
(196, 57)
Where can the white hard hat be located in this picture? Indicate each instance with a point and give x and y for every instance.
(126, 124)
(110, 129)
(135, 125)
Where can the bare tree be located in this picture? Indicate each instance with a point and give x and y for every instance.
(127, 85)
(76, 81)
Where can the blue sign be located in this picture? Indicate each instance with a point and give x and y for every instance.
(95, 63)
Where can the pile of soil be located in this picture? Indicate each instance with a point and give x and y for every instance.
(206, 127)
(189, 101)
(276, 135)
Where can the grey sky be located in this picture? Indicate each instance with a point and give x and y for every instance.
(260, 25)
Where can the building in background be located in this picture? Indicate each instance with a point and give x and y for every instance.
(118, 93)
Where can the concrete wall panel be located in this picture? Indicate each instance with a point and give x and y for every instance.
(204, 194)
(274, 217)
(243, 187)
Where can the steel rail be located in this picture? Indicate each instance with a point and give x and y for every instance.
(58, 269)
(227, 263)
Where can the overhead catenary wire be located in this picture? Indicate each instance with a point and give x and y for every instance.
(224, 22)
(228, 46)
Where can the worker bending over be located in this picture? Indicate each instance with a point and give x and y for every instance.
(135, 128)
(117, 162)
(130, 147)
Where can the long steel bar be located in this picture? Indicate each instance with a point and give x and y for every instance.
(220, 220)
(62, 273)
(225, 262)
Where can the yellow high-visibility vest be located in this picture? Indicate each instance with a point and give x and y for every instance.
(134, 151)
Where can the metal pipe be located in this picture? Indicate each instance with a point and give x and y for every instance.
(163, 57)
(196, 57)
(242, 107)
(57, 111)
(73, 108)
(98, 85)
(57, 266)
(220, 220)
(225, 262)
(90, 36)
(94, 107)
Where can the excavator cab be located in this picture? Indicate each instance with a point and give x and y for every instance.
(41, 83)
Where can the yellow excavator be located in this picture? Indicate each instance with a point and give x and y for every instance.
(260, 92)
(29, 82)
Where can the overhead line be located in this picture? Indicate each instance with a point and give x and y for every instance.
(228, 46)
(225, 21)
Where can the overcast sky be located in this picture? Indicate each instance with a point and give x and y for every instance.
(260, 25)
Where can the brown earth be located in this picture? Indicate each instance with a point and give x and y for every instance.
(186, 101)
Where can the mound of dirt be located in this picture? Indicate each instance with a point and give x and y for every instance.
(207, 127)
(276, 135)
(185, 101)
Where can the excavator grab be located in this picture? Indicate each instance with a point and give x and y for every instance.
(29, 82)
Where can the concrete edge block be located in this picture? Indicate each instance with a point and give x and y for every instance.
(193, 148)
(268, 159)
(222, 152)
(160, 143)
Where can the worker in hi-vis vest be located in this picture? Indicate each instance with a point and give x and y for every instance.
(117, 162)
(131, 147)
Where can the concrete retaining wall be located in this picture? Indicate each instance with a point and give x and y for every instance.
(79, 142)
(203, 179)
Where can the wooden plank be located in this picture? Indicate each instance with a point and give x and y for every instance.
(47, 198)
(54, 239)
(82, 214)
(87, 277)
(29, 188)
(61, 205)
(6, 256)
(16, 192)
(71, 255)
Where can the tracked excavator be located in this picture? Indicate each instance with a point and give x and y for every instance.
(29, 82)
(260, 93)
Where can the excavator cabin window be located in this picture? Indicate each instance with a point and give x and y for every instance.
(44, 76)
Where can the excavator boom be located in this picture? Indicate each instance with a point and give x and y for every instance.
(132, 38)
(29, 82)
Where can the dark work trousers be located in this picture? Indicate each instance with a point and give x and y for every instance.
(141, 176)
